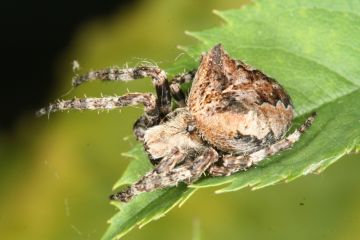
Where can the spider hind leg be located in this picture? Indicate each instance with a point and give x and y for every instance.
(231, 164)
(167, 175)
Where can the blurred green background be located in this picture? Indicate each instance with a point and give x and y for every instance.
(57, 173)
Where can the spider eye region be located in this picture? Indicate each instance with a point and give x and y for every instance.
(190, 128)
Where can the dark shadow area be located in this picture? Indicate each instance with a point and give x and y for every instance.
(33, 34)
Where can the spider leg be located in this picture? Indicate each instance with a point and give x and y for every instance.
(143, 123)
(178, 94)
(169, 176)
(105, 103)
(231, 164)
(175, 89)
(169, 162)
(158, 76)
(186, 77)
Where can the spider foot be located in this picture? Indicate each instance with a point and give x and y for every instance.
(123, 196)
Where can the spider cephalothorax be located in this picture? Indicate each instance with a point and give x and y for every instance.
(233, 117)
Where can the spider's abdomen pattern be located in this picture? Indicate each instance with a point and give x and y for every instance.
(236, 108)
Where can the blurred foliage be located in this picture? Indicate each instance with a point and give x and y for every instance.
(56, 174)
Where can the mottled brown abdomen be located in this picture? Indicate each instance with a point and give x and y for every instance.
(236, 108)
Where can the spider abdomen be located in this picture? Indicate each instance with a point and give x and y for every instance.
(245, 132)
(237, 109)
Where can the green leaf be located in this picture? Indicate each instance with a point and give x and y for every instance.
(136, 168)
(313, 49)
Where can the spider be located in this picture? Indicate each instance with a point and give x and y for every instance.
(233, 117)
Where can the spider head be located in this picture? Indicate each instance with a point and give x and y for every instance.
(177, 131)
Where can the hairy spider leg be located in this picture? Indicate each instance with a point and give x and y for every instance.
(104, 103)
(178, 95)
(158, 76)
(170, 161)
(231, 164)
(187, 172)
(175, 89)
(151, 180)
(186, 77)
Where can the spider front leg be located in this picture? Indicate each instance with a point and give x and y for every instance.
(167, 175)
(175, 86)
(186, 77)
(104, 103)
(231, 164)
(158, 76)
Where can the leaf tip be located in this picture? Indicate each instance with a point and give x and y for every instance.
(116, 204)
(220, 191)
(195, 35)
(187, 196)
(189, 33)
(182, 48)
(221, 15)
